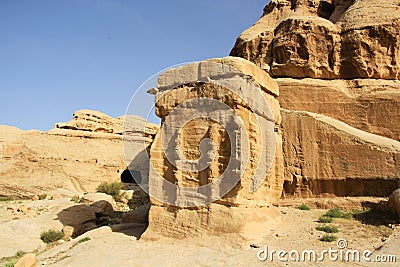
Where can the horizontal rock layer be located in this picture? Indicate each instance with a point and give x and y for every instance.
(324, 155)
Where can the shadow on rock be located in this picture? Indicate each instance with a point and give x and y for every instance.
(83, 218)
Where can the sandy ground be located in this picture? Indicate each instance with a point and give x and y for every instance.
(119, 245)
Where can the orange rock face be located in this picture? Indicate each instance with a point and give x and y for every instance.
(211, 105)
(337, 64)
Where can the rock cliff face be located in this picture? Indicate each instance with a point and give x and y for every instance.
(73, 157)
(172, 212)
(325, 39)
(337, 64)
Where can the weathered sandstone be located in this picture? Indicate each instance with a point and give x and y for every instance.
(366, 104)
(324, 155)
(325, 39)
(227, 214)
(72, 158)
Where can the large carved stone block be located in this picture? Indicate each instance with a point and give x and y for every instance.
(228, 116)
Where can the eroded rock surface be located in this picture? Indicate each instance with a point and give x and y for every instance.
(73, 157)
(325, 39)
(327, 156)
(234, 211)
(338, 60)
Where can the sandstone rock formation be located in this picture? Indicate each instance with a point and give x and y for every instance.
(337, 64)
(324, 155)
(325, 39)
(239, 206)
(73, 157)
(394, 202)
(366, 104)
(28, 260)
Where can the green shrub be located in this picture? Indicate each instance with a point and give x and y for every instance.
(85, 239)
(303, 207)
(75, 199)
(19, 253)
(337, 213)
(334, 213)
(324, 219)
(327, 229)
(5, 198)
(9, 264)
(51, 236)
(112, 189)
(328, 238)
(42, 196)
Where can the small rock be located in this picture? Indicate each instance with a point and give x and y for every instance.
(28, 260)
(68, 232)
(11, 208)
(22, 209)
(35, 198)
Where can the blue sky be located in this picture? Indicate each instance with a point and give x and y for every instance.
(60, 56)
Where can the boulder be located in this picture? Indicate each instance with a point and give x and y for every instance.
(394, 202)
(138, 215)
(28, 260)
(95, 197)
(68, 232)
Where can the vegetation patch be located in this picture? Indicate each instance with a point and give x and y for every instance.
(327, 229)
(42, 196)
(328, 238)
(51, 236)
(85, 239)
(112, 189)
(325, 219)
(10, 261)
(5, 198)
(303, 207)
(75, 199)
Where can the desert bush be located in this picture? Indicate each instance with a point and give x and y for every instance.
(328, 238)
(5, 198)
(9, 264)
(325, 219)
(19, 253)
(327, 229)
(303, 207)
(75, 199)
(334, 213)
(51, 236)
(85, 239)
(112, 189)
(42, 196)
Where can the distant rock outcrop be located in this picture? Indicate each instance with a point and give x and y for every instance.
(73, 157)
